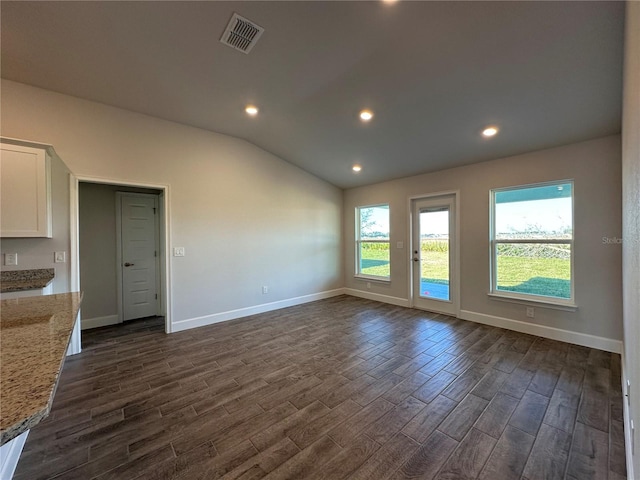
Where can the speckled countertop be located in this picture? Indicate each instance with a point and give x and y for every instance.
(34, 335)
(17, 280)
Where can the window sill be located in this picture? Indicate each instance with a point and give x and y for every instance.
(567, 307)
(369, 278)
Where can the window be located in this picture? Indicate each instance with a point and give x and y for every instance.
(372, 242)
(532, 242)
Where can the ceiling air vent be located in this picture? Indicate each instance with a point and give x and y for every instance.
(241, 34)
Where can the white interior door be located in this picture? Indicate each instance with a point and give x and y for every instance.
(139, 255)
(433, 259)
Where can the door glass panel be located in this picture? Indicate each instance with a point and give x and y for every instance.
(434, 253)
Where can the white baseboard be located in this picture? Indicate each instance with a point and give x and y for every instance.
(10, 454)
(245, 312)
(584, 339)
(87, 323)
(401, 302)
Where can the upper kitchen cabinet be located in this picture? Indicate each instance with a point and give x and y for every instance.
(25, 183)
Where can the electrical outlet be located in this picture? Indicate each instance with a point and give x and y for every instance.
(265, 289)
(60, 257)
(178, 251)
(11, 259)
(399, 244)
(368, 284)
(531, 312)
(628, 392)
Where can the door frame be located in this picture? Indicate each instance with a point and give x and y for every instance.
(164, 225)
(456, 251)
(119, 269)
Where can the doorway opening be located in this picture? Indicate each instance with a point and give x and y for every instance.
(434, 253)
(120, 241)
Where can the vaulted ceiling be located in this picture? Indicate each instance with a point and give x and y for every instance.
(433, 73)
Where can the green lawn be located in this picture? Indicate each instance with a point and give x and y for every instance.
(533, 275)
(435, 267)
(375, 260)
(537, 276)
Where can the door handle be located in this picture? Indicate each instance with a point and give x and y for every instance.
(128, 264)
(416, 259)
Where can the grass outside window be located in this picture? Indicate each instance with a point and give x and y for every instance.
(537, 271)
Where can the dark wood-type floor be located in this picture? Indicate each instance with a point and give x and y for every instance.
(340, 388)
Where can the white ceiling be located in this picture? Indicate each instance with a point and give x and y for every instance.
(434, 73)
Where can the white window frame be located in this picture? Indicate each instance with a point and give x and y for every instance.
(493, 243)
(358, 241)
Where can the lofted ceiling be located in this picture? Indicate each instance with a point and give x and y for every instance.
(434, 74)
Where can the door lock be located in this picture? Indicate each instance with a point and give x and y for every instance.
(128, 264)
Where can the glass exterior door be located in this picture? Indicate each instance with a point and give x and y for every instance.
(433, 254)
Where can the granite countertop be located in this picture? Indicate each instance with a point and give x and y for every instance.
(18, 280)
(34, 336)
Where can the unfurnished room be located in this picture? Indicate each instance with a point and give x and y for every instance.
(320, 240)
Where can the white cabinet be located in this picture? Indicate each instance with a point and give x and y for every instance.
(25, 191)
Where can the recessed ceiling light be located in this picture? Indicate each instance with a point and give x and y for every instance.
(251, 110)
(356, 168)
(366, 115)
(490, 131)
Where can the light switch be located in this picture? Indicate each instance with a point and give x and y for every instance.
(399, 244)
(11, 259)
(60, 257)
(178, 251)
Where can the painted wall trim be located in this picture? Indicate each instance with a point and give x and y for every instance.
(74, 226)
(75, 342)
(96, 322)
(626, 417)
(584, 339)
(401, 302)
(244, 312)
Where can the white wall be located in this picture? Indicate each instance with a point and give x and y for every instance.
(39, 252)
(595, 167)
(631, 224)
(97, 245)
(245, 217)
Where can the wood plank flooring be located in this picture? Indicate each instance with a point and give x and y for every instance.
(343, 388)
